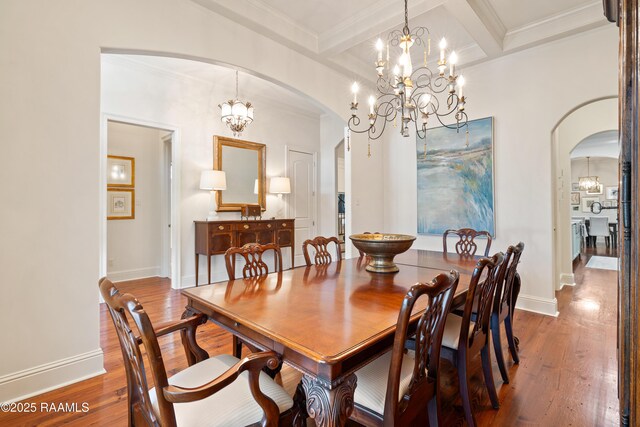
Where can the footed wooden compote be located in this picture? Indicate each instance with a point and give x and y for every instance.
(381, 248)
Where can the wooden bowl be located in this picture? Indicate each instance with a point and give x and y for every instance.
(381, 248)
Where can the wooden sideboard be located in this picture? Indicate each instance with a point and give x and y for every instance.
(215, 237)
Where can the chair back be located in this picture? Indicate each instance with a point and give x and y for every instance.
(252, 254)
(466, 245)
(599, 226)
(507, 299)
(322, 255)
(137, 387)
(428, 338)
(482, 286)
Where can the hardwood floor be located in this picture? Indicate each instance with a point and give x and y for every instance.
(567, 373)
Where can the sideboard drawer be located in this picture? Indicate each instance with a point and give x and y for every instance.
(285, 224)
(254, 226)
(220, 228)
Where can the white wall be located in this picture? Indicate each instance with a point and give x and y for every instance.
(134, 246)
(527, 93)
(589, 119)
(50, 122)
(134, 90)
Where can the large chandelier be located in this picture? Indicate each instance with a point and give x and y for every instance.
(408, 96)
(588, 183)
(235, 113)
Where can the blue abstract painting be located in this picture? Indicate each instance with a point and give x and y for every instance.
(455, 179)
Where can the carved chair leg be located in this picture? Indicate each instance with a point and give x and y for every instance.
(497, 348)
(300, 407)
(329, 407)
(513, 341)
(488, 376)
(463, 380)
(434, 411)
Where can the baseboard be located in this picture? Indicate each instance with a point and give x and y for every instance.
(50, 376)
(548, 307)
(566, 279)
(138, 273)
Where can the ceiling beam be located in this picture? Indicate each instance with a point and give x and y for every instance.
(481, 22)
(371, 22)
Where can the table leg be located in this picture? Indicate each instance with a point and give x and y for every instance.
(208, 269)
(329, 407)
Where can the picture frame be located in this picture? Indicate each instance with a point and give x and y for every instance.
(456, 169)
(120, 203)
(575, 197)
(575, 186)
(121, 172)
(598, 190)
(611, 193)
(587, 202)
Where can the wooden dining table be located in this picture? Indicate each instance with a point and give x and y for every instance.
(325, 321)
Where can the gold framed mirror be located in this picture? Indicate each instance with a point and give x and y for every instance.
(244, 165)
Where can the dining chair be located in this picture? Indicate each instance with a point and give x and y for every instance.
(599, 227)
(321, 254)
(466, 245)
(401, 387)
(463, 338)
(254, 266)
(223, 390)
(504, 304)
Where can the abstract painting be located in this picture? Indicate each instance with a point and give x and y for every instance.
(455, 179)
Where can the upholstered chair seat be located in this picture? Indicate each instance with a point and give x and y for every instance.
(372, 381)
(451, 335)
(233, 406)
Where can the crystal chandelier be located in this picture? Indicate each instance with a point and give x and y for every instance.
(408, 96)
(588, 183)
(235, 113)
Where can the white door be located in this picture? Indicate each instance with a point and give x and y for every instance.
(302, 200)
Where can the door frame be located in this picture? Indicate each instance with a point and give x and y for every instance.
(287, 156)
(175, 190)
(166, 204)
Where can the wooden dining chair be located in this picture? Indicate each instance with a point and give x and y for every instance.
(401, 388)
(463, 338)
(466, 245)
(209, 389)
(321, 254)
(504, 304)
(252, 254)
(254, 266)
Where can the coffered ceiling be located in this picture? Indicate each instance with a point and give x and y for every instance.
(341, 33)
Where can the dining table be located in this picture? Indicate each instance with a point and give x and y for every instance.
(325, 321)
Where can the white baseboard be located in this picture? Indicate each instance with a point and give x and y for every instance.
(548, 307)
(566, 279)
(138, 273)
(50, 376)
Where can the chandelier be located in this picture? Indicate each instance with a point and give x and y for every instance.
(408, 96)
(588, 183)
(236, 114)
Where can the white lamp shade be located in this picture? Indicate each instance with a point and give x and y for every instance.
(213, 180)
(225, 110)
(280, 185)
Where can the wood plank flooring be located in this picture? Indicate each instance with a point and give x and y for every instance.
(566, 377)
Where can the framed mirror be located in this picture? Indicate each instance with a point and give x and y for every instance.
(244, 164)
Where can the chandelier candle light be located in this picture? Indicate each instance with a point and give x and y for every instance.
(588, 183)
(236, 114)
(412, 96)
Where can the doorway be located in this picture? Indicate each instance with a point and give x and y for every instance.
(141, 243)
(340, 193)
(301, 170)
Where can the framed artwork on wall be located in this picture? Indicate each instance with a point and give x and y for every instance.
(587, 202)
(575, 186)
(611, 193)
(455, 178)
(575, 198)
(598, 190)
(120, 203)
(121, 172)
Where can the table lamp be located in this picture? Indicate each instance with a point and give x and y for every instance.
(213, 181)
(280, 185)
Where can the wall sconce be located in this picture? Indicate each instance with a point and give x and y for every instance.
(213, 181)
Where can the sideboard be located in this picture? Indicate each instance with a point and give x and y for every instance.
(215, 237)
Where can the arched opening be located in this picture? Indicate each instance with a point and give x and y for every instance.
(585, 124)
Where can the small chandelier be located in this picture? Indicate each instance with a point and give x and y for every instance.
(236, 114)
(588, 183)
(407, 95)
